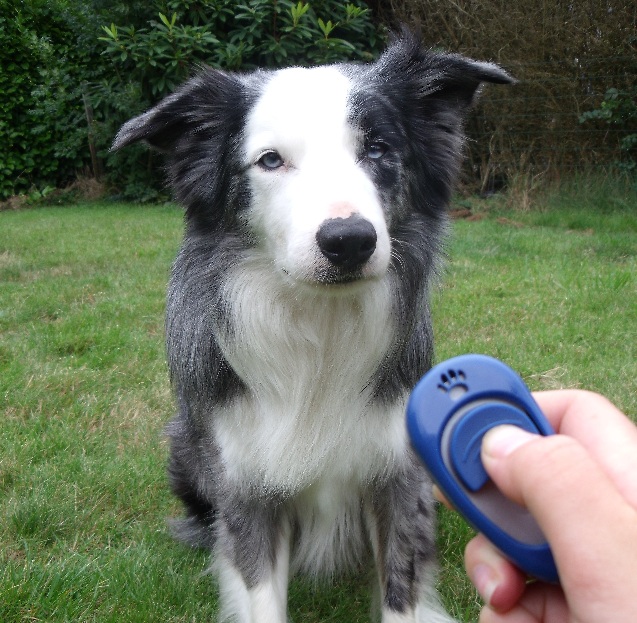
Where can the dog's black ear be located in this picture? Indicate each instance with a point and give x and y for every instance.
(451, 77)
(460, 79)
(431, 93)
(199, 105)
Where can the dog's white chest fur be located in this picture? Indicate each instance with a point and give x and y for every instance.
(306, 417)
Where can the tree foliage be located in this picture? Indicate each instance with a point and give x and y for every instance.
(27, 64)
(72, 72)
(233, 35)
(47, 57)
(151, 58)
(619, 109)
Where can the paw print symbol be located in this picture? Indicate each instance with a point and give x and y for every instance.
(453, 383)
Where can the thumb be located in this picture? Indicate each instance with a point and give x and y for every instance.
(566, 491)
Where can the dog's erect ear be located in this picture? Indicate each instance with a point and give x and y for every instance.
(431, 93)
(460, 78)
(199, 105)
(452, 77)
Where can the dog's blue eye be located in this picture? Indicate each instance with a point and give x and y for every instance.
(376, 150)
(270, 160)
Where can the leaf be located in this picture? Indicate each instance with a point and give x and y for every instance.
(326, 28)
(298, 11)
(111, 32)
(164, 19)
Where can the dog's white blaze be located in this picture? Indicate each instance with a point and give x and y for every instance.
(303, 115)
(305, 427)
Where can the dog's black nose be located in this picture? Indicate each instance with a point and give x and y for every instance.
(347, 242)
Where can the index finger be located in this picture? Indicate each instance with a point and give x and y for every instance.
(608, 435)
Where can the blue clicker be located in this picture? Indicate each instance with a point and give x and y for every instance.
(449, 412)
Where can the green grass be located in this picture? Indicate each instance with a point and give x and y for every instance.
(84, 391)
(551, 291)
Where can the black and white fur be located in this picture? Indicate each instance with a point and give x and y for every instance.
(298, 318)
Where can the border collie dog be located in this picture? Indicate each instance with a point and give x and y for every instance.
(298, 317)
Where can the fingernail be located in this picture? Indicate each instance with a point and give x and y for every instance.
(502, 440)
(485, 581)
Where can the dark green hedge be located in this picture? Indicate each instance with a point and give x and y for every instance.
(63, 62)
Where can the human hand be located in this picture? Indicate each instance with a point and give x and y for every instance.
(581, 486)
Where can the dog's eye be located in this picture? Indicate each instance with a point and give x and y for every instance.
(270, 160)
(376, 150)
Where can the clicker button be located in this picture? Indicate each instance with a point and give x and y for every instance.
(466, 439)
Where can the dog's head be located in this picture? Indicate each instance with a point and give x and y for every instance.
(316, 169)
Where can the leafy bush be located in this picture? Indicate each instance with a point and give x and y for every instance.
(23, 150)
(63, 88)
(231, 35)
(131, 173)
(153, 58)
(45, 61)
(619, 108)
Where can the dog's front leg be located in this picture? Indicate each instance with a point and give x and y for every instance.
(252, 561)
(402, 526)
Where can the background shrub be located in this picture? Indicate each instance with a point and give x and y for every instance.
(27, 148)
(72, 72)
(619, 109)
(150, 59)
(48, 56)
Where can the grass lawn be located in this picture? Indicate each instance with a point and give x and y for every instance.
(84, 392)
